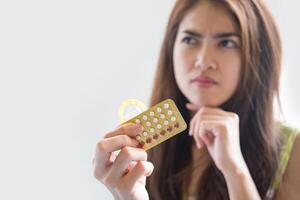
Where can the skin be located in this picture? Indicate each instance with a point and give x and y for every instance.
(125, 174)
(209, 55)
(201, 51)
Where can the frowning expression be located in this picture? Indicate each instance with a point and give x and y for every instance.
(207, 55)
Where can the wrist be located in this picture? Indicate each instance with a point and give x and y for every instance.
(240, 183)
(236, 169)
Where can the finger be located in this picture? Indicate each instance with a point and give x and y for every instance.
(192, 126)
(200, 117)
(210, 117)
(208, 138)
(115, 143)
(216, 128)
(131, 165)
(105, 147)
(141, 170)
(229, 119)
(123, 160)
(129, 129)
(197, 138)
(213, 111)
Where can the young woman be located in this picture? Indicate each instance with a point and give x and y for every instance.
(220, 62)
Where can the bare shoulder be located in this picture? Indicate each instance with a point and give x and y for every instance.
(289, 188)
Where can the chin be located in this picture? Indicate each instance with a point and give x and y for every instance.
(205, 102)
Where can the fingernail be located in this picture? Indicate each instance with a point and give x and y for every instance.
(187, 105)
(190, 132)
(149, 172)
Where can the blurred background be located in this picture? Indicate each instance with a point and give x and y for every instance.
(65, 67)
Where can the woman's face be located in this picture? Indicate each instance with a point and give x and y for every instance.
(207, 55)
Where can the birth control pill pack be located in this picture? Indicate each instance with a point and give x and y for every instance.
(160, 123)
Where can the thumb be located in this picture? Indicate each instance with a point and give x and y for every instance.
(192, 107)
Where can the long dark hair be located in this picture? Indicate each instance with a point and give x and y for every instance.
(252, 101)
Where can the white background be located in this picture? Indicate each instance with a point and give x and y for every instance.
(65, 67)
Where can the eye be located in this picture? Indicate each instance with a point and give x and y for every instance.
(188, 40)
(228, 43)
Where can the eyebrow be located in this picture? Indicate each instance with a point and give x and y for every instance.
(216, 35)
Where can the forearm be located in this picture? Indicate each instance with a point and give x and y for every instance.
(240, 184)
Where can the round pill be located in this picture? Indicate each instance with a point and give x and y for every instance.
(170, 112)
(151, 113)
(137, 121)
(158, 109)
(173, 119)
(145, 117)
(141, 144)
(162, 116)
(152, 130)
(145, 133)
(166, 122)
(158, 126)
(148, 140)
(155, 120)
(163, 132)
(138, 137)
(166, 106)
(148, 124)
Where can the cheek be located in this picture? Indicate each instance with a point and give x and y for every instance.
(182, 60)
(181, 68)
(231, 73)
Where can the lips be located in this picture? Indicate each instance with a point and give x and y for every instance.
(204, 81)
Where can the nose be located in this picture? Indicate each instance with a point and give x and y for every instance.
(204, 59)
